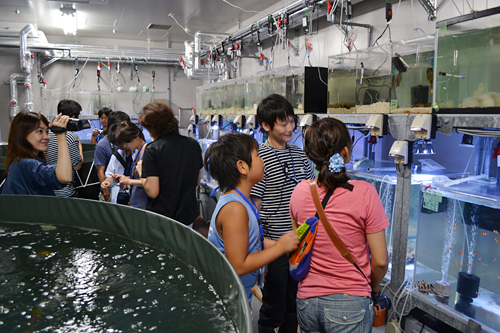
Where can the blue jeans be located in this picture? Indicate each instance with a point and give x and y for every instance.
(338, 313)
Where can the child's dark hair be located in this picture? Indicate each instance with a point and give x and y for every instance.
(221, 157)
(69, 108)
(105, 111)
(274, 107)
(322, 140)
(126, 131)
(114, 119)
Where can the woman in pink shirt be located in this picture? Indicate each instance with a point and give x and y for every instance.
(334, 296)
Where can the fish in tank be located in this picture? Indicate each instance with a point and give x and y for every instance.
(459, 257)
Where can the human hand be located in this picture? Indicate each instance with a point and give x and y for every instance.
(95, 132)
(107, 194)
(59, 121)
(105, 184)
(121, 179)
(288, 242)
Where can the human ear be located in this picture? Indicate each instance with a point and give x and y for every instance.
(266, 127)
(346, 155)
(242, 167)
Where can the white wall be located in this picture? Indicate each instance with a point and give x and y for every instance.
(60, 77)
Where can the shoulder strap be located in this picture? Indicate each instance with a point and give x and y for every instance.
(329, 230)
(120, 159)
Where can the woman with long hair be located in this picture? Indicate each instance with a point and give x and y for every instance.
(27, 169)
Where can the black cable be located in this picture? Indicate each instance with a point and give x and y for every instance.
(380, 35)
(362, 136)
(297, 138)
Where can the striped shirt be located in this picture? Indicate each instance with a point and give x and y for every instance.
(283, 170)
(74, 154)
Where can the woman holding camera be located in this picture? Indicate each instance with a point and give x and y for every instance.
(25, 162)
(334, 296)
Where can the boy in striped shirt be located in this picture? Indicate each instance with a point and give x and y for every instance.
(285, 165)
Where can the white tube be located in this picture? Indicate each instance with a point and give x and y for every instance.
(462, 180)
(26, 63)
(14, 104)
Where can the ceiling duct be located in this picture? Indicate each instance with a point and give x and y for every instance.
(164, 27)
(91, 2)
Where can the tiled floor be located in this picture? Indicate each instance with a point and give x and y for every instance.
(255, 316)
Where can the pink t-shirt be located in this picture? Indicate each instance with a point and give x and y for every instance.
(352, 216)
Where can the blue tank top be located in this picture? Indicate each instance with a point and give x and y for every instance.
(254, 245)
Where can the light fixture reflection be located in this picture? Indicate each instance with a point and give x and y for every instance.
(423, 147)
(68, 19)
(467, 141)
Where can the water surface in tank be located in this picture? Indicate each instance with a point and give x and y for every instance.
(71, 279)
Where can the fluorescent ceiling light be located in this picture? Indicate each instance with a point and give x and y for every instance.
(68, 19)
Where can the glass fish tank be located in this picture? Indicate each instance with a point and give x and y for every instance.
(100, 99)
(295, 87)
(468, 63)
(374, 79)
(457, 265)
(342, 83)
(253, 97)
(203, 99)
(216, 93)
(382, 175)
(278, 77)
(240, 95)
(228, 97)
(84, 97)
(412, 75)
(264, 84)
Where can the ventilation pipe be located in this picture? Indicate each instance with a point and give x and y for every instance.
(14, 104)
(27, 64)
(197, 45)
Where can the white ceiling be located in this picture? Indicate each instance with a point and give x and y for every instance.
(132, 17)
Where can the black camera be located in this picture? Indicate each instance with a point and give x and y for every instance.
(76, 125)
(383, 301)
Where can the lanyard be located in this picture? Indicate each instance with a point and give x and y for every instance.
(135, 162)
(282, 166)
(256, 212)
(128, 168)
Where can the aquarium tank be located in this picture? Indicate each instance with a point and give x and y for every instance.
(373, 79)
(382, 175)
(264, 84)
(412, 75)
(295, 87)
(253, 96)
(342, 83)
(457, 264)
(467, 65)
(203, 99)
(240, 95)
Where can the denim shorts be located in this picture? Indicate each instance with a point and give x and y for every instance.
(338, 313)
